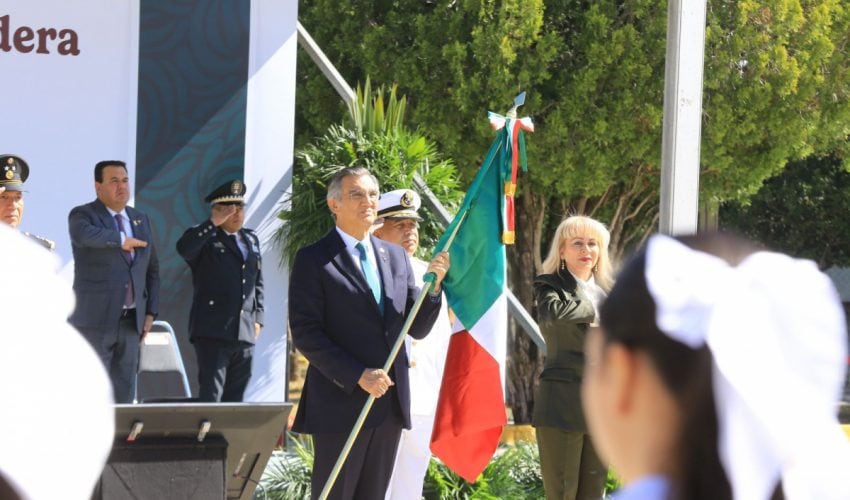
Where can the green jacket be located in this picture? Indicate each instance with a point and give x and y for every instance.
(563, 313)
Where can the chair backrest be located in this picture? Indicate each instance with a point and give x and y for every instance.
(161, 353)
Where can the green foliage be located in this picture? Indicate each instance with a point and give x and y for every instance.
(514, 472)
(373, 137)
(287, 475)
(368, 116)
(612, 483)
(776, 75)
(776, 89)
(802, 211)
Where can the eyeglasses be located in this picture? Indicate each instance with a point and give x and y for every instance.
(358, 196)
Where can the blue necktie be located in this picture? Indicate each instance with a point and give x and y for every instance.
(371, 275)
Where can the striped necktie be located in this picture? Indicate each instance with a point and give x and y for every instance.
(129, 297)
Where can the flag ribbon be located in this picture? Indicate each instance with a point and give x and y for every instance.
(512, 156)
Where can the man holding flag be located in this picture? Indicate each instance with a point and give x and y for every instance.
(349, 296)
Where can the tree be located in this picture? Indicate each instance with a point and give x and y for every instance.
(802, 211)
(373, 136)
(776, 89)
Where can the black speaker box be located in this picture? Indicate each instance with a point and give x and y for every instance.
(190, 451)
(162, 468)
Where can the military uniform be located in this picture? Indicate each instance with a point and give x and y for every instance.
(227, 300)
(425, 369)
(44, 242)
(14, 172)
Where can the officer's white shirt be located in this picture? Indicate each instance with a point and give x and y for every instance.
(427, 357)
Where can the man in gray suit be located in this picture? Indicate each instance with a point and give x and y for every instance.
(116, 276)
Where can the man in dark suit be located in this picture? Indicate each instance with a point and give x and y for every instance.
(14, 172)
(349, 295)
(227, 306)
(116, 276)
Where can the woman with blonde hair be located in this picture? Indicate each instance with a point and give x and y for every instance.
(577, 276)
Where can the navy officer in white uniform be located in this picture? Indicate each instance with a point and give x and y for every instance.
(398, 222)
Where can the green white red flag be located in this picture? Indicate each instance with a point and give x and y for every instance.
(471, 406)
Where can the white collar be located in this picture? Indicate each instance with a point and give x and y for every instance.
(590, 281)
(589, 284)
(123, 212)
(351, 242)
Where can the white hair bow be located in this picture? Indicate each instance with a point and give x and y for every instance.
(777, 333)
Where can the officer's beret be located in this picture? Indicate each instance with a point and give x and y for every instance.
(229, 192)
(13, 172)
(399, 204)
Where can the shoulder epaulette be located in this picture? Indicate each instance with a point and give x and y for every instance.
(48, 244)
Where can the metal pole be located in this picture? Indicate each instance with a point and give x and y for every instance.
(325, 65)
(680, 145)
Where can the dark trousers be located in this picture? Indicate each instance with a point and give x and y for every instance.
(570, 466)
(224, 369)
(118, 349)
(367, 470)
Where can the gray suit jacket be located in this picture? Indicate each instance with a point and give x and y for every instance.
(101, 272)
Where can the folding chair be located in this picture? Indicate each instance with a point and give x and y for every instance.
(161, 353)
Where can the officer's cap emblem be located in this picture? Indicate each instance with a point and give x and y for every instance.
(14, 172)
(407, 199)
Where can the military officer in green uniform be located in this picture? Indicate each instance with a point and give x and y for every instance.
(13, 173)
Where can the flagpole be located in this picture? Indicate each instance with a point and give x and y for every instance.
(426, 289)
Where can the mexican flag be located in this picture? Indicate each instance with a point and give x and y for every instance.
(471, 406)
